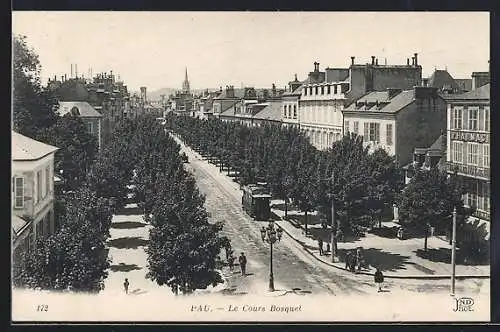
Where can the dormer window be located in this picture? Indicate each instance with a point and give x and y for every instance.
(74, 111)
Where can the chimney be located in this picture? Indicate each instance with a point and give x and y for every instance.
(71, 70)
(416, 59)
(376, 62)
(407, 61)
(76, 70)
(352, 60)
(413, 61)
(373, 59)
(64, 77)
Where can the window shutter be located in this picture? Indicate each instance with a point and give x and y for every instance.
(481, 119)
(480, 152)
(464, 154)
(452, 119)
(465, 120)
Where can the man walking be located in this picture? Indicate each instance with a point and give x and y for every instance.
(243, 264)
(125, 285)
(379, 279)
(320, 246)
(230, 262)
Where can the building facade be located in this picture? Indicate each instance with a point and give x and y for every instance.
(397, 121)
(32, 192)
(468, 148)
(91, 118)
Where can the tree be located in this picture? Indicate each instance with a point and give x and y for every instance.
(183, 246)
(384, 181)
(74, 257)
(31, 108)
(425, 202)
(77, 148)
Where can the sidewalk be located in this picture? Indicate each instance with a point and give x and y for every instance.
(397, 258)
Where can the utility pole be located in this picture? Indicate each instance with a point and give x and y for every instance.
(332, 239)
(453, 250)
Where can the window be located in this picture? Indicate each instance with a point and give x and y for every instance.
(355, 127)
(305, 92)
(473, 118)
(284, 111)
(47, 180)
(456, 152)
(487, 119)
(457, 118)
(316, 90)
(322, 89)
(295, 111)
(89, 128)
(39, 185)
(472, 153)
(19, 192)
(373, 132)
(328, 90)
(289, 111)
(389, 133)
(346, 127)
(310, 90)
(486, 155)
(472, 194)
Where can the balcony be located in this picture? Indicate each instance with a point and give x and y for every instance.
(482, 173)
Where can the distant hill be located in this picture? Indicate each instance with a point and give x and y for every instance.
(156, 95)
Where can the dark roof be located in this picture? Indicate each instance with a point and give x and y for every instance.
(238, 93)
(442, 80)
(270, 112)
(481, 93)
(296, 92)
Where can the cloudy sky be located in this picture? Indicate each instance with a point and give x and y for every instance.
(248, 48)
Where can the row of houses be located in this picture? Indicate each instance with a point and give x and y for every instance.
(437, 121)
(101, 102)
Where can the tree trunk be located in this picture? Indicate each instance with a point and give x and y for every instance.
(286, 207)
(305, 220)
(425, 239)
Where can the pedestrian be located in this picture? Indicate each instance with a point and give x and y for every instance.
(243, 263)
(320, 246)
(359, 258)
(230, 261)
(348, 260)
(324, 225)
(263, 233)
(379, 279)
(125, 285)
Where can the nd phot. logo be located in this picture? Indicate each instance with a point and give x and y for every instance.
(464, 304)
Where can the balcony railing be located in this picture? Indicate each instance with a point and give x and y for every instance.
(469, 170)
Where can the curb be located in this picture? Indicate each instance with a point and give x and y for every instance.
(424, 277)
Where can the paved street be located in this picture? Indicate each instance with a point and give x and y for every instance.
(293, 267)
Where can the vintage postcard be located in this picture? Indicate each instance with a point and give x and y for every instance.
(250, 166)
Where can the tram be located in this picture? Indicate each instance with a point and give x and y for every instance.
(256, 201)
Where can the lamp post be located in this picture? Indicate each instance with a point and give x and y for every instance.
(453, 250)
(333, 235)
(271, 235)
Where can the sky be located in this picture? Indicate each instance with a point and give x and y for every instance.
(257, 49)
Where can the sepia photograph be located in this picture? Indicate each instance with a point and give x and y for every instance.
(250, 167)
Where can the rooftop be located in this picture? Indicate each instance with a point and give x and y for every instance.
(25, 148)
(481, 93)
(84, 109)
(386, 104)
(270, 112)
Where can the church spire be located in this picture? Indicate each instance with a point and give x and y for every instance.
(185, 84)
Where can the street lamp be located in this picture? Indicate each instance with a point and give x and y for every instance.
(333, 235)
(270, 235)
